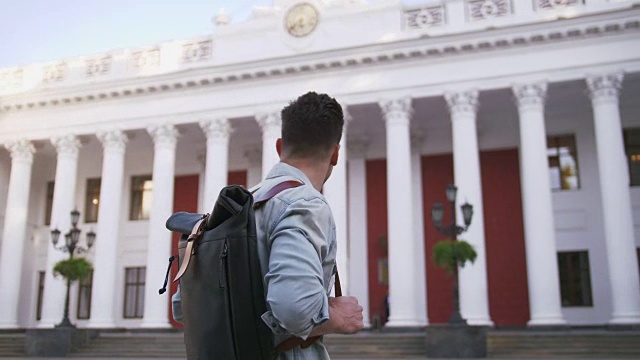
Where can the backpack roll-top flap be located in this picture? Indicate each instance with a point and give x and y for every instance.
(182, 222)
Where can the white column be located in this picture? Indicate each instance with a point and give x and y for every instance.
(358, 249)
(402, 269)
(107, 234)
(335, 191)
(217, 132)
(15, 230)
(64, 195)
(474, 299)
(418, 227)
(537, 208)
(165, 138)
(616, 199)
(271, 126)
(254, 172)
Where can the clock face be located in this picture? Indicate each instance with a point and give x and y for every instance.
(301, 19)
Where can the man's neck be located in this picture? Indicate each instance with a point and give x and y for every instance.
(316, 171)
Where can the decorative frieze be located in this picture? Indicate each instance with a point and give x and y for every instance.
(146, 59)
(423, 18)
(54, 73)
(195, 51)
(556, 4)
(488, 9)
(98, 66)
(11, 79)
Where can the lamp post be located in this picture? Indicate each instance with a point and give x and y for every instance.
(453, 230)
(71, 246)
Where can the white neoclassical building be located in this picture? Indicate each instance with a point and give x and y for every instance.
(531, 107)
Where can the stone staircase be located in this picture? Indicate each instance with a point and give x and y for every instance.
(514, 344)
(570, 343)
(11, 343)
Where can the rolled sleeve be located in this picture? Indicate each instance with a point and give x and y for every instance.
(296, 293)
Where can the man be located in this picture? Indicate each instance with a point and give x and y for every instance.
(296, 231)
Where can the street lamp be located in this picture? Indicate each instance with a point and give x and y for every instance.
(71, 246)
(453, 230)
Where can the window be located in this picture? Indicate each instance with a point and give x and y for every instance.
(632, 149)
(141, 196)
(134, 292)
(49, 203)
(575, 278)
(563, 162)
(40, 294)
(84, 296)
(92, 200)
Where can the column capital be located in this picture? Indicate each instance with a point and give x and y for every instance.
(66, 144)
(218, 128)
(396, 111)
(605, 88)
(113, 139)
(21, 150)
(164, 135)
(268, 121)
(530, 95)
(462, 102)
(346, 116)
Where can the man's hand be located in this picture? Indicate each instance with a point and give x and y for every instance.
(347, 313)
(345, 317)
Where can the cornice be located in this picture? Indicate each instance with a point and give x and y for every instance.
(439, 47)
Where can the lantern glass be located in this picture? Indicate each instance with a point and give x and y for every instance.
(467, 213)
(75, 216)
(67, 239)
(55, 235)
(75, 235)
(91, 238)
(437, 213)
(451, 191)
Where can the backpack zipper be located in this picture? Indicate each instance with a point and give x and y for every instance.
(223, 265)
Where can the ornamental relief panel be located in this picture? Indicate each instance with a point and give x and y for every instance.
(488, 9)
(556, 4)
(196, 51)
(11, 79)
(424, 18)
(97, 66)
(54, 73)
(145, 59)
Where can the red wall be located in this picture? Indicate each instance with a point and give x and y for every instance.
(237, 178)
(504, 233)
(376, 173)
(437, 173)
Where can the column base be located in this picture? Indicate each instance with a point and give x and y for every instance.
(9, 325)
(625, 319)
(101, 325)
(479, 322)
(545, 322)
(155, 325)
(406, 323)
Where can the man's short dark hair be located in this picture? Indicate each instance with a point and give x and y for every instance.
(311, 126)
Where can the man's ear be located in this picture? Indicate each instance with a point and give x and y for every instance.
(335, 154)
(279, 146)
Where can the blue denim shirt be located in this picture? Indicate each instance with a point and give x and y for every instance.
(297, 251)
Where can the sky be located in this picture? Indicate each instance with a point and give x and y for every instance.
(45, 30)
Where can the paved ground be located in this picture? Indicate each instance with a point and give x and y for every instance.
(411, 358)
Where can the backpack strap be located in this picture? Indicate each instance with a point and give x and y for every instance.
(259, 201)
(196, 234)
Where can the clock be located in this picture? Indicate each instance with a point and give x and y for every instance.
(301, 19)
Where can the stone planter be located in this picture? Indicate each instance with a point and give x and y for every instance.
(56, 342)
(456, 341)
